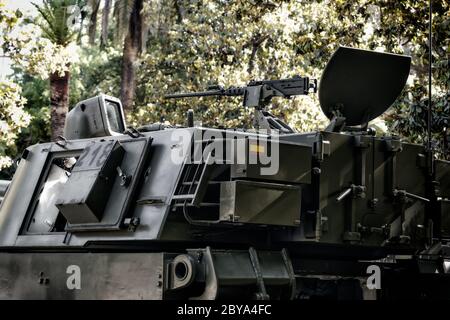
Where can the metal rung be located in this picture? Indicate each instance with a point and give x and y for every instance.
(196, 182)
(183, 197)
(188, 183)
(203, 204)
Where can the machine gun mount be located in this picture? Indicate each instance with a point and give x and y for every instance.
(258, 94)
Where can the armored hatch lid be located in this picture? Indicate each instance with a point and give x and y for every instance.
(361, 84)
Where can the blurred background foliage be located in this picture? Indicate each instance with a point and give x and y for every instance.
(139, 50)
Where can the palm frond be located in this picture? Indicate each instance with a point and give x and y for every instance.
(54, 20)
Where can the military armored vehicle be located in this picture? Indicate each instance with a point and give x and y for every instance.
(186, 212)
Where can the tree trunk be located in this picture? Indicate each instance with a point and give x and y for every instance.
(105, 23)
(59, 103)
(180, 10)
(132, 47)
(95, 4)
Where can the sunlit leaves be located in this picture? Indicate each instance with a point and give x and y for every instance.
(34, 50)
(12, 119)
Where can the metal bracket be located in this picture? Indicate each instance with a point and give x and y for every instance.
(212, 286)
(393, 145)
(355, 190)
(290, 270)
(384, 230)
(262, 294)
(401, 195)
(132, 223)
(132, 132)
(360, 143)
(62, 142)
(124, 178)
(322, 148)
(182, 271)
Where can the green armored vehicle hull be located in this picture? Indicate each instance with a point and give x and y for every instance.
(199, 213)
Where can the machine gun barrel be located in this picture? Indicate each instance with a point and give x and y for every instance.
(193, 94)
(233, 91)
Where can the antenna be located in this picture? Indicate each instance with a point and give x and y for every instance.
(430, 57)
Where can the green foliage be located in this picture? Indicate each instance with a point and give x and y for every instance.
(409, 119)
(248, 41)
(37, 96)
(56, 24)
(402, 31)
(30, 45)
(97, 71)
(33, 56)
(12, 119)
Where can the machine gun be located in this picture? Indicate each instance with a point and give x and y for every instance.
(258, 94)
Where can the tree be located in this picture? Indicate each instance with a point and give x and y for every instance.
(55, 27)
(408, 117)
(13, 117)
(92, 30)
(132, 47)
(105, 23)
(130, 33)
